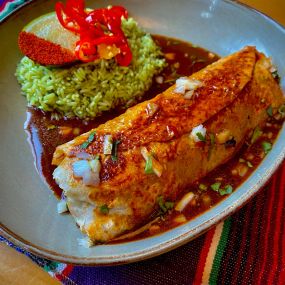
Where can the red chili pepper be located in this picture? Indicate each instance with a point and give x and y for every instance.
(101, 26)
(124, 58)
(86, 52)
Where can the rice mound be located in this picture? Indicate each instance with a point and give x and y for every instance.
(86, 90)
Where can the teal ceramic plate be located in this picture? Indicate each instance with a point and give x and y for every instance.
(28, 208)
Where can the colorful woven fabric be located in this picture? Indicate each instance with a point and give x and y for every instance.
(247, 248)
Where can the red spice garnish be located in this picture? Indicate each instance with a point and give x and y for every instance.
(101, 26)
(45, 52)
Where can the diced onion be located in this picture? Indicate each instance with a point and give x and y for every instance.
(186, 199)
(144, 153)
(199, 129)
(62, 207)
(108, 144)
(151, 108)
(89, 171)
(189, 94)
(83, 155)
(180, 219)
(159, 79)
(80, 167)
(184, 84)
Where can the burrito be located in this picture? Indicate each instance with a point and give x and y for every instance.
(112, 176)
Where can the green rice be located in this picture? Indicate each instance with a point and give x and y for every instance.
(87, 90)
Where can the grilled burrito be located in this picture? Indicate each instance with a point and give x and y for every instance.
(113, 175)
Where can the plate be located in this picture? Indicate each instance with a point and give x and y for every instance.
(28, 208)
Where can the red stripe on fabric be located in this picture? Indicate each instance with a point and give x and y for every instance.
(253, 238)
(264, 263)
(241, 252)
(203, 256)
(65, 272)
(3, 5)
(277, 228)
(282, 234)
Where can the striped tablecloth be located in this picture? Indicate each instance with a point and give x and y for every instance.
(247, 248)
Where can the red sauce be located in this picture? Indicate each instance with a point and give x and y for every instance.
(183, 59)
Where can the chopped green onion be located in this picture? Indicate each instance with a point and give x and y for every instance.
(203, 187)
(267, 146)
(256, 134)
(108, 144)
(216, 186)
(115, 150)
(148, 166)
(227, 190)
(201, 137)
(104, 209)
(160, 202)
(89, 140)
(269, 111)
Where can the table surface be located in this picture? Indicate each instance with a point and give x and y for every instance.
(273, 8)
(28, 271)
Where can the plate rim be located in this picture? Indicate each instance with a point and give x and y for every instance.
(170, 244)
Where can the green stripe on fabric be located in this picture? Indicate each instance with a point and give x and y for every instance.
(220, 251)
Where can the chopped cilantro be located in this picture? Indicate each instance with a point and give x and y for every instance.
(269, 111)
(281, 110)
(89, 140)
(164, 206)
(256, 135)
(201, 137)
(148, 166)
(227, 190)
(216, 186)
(114, 155)
(104, 209)
(276, 76)
(267, 146)
(169, 205)
(203, 187)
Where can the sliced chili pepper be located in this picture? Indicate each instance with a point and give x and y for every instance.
(124, 58)
(86, 52)
(101, 26)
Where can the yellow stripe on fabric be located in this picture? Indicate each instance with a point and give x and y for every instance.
(212, 253)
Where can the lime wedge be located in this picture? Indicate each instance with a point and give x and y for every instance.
(49, 28)
(46, 42)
